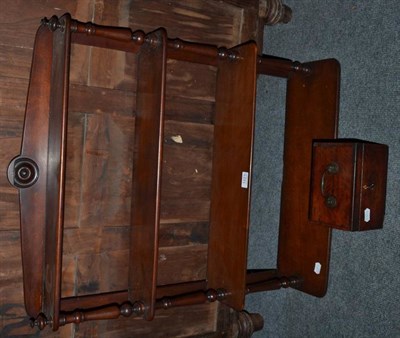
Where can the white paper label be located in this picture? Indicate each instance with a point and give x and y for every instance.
(177, 138)
(317, 268)
(245, 179)
(367, 215)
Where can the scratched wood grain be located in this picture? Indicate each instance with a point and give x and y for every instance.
(211, 22)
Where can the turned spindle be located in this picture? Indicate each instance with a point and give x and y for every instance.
(193, 298)
(269, 65)
(274, 284)
(128, 309)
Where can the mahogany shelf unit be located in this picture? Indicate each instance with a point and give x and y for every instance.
(39, 174)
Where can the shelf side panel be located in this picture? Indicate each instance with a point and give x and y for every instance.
(149, 128)
(231, 174)
(34, 147)
(55, 185)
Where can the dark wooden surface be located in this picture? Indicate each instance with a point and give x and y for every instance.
(311, 113)
(55, 185)
(231, 174)
(100, 149)
(148, 150)
(37, 126)
(359, 183)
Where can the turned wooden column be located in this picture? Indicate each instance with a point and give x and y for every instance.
(245, 324)
(272, 12)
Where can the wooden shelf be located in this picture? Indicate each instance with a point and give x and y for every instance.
(148, 150)
(231, 176)
(312, 109)
(39, 173)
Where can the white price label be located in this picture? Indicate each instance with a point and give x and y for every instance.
(317, 268)
(367, 215)
(245, 180)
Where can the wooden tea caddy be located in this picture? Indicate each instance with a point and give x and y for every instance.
(304, 238)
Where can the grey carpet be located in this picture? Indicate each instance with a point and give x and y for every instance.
(363, 298)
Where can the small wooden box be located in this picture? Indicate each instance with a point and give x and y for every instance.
(348, 184)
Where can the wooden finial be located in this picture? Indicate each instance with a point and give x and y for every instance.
(41, 321)
(138, 37)
(54, 23)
